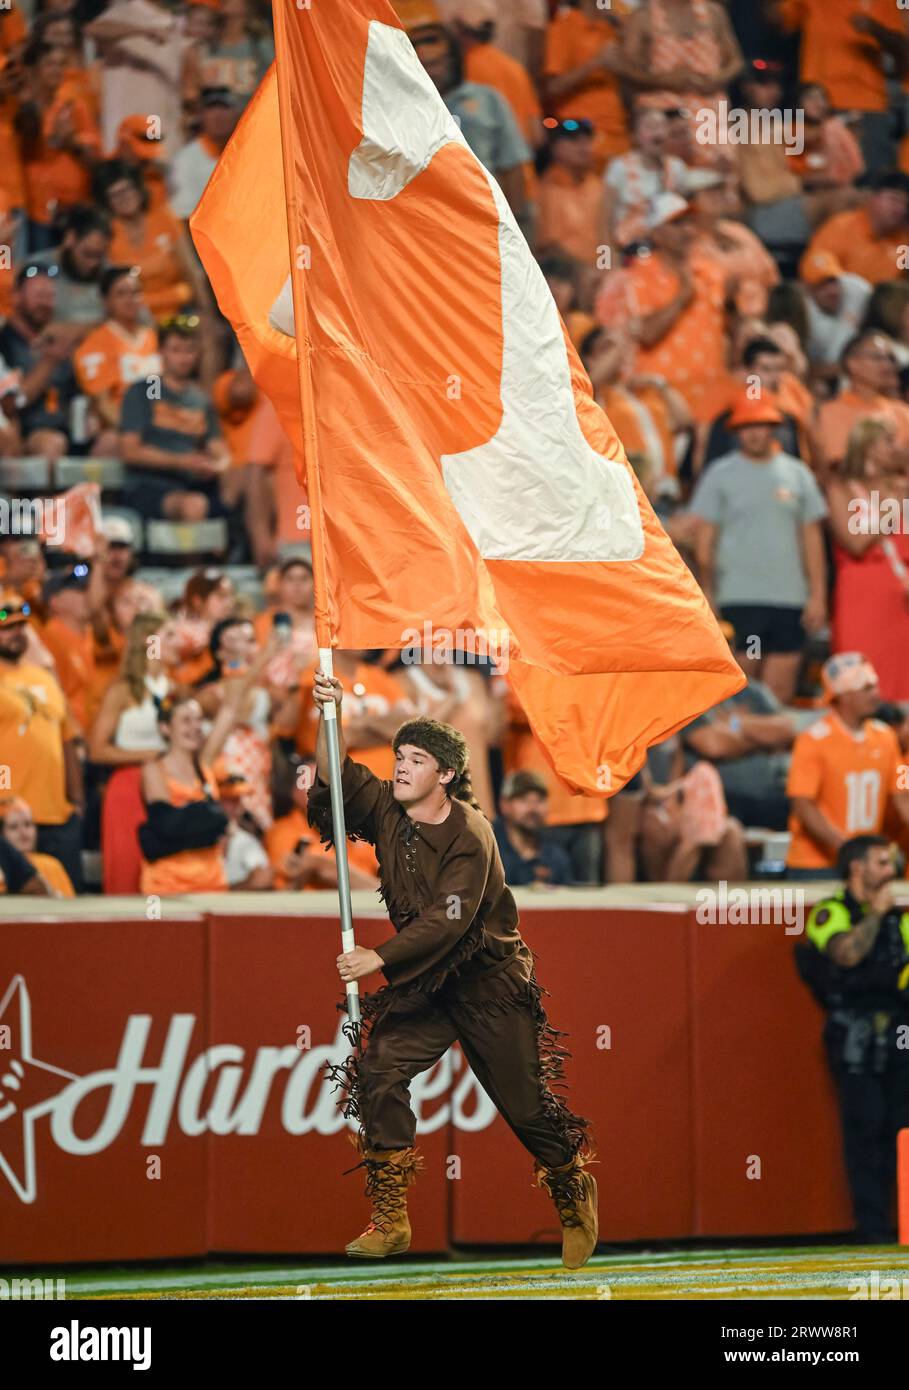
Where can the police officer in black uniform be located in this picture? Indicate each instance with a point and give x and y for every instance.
(856, 961)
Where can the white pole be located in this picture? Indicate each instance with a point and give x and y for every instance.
(330, 716)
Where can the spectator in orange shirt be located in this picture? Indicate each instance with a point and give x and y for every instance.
(209, 598)
(68, 636)
(842, 49)
(570, 194)
(579, 73)
(673, 303)
(870, 241)
(681, 55)
(153, 240)
(60, 29)
(122, 350)
(60, 143)
(293, 600)
(17, 825)
(831, 160)
(37, 738)
(376, 706)
(763, 372)
(866, 361)
(845, 771)
(298, 859)
(139, 142)
(750, 270)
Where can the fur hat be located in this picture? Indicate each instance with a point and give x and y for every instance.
(445, 744)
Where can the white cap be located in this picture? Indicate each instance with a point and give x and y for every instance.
(117, 528)
(666, 208)
(697, 180)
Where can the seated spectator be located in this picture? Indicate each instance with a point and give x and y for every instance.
(520, 831)
(484, 116)
(37, 736)
(845, 771)
(564, 278)
(57, 27)
(293, 601)
(23, 568)
(760, 548)
(776, 208)
(835, 302)
(139, 143)
(686, 830)
(247, 748)
(119, 352)
(569, 193)
(651, 419)
(298, 859)
(750, 270)
(888, 312)
(681, 57)
(374, 707)
(17, 826)
(843, 47)
(672, 304)
(68, 636)
(246, 864)
(59, 142)
(79, 264)
(193, 165)
(574, 823)
(152, 239)
(871, 590)
(19, 875)
(868, 241)
(747, 738)
(40, 351)
(110, 624)
(208, 598)
(866, 361)
(124, 735)
(831, 160)
(633, 181)
(182, 841)
(172, 439)
(580, 63)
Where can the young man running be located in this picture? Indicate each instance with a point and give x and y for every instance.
(457, 970)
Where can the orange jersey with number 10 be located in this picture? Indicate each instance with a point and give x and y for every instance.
(849, 775)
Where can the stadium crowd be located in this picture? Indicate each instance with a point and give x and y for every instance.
(718, 197)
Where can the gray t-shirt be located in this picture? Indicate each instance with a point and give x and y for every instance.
(488, 126)
(759, 510)
(828, 334)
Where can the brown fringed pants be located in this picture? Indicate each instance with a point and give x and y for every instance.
(506, 1039)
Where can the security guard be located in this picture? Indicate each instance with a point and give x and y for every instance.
(856, 961)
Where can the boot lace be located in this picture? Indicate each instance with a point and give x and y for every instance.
(568, 1191)
(385, 1185)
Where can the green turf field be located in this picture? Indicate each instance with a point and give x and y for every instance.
(825, 1272)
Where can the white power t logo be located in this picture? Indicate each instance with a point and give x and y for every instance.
(536, 490)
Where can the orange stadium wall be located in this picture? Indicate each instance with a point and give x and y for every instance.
(170, 1097)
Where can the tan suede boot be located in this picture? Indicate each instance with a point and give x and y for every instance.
(389, 1173)
(574, 1192)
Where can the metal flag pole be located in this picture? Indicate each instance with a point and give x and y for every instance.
(339, 834)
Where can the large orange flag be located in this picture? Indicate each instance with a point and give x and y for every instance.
(459, 472)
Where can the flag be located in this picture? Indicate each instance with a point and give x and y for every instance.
(458, 469)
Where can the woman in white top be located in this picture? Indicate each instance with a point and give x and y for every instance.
(126, 734)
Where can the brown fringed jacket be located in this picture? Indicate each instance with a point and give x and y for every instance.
(443, 885)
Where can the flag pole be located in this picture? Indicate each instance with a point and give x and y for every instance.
(314, 493)
(348, 942)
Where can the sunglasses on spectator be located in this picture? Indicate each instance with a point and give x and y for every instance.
(187, 321)
(14, 612)
(568, 127)
(30, 271)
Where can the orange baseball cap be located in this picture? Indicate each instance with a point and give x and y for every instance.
(747, 411)
(818, 266)
(418, 14)
(133, 131)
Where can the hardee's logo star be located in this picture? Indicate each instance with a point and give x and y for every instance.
(28, 1090)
